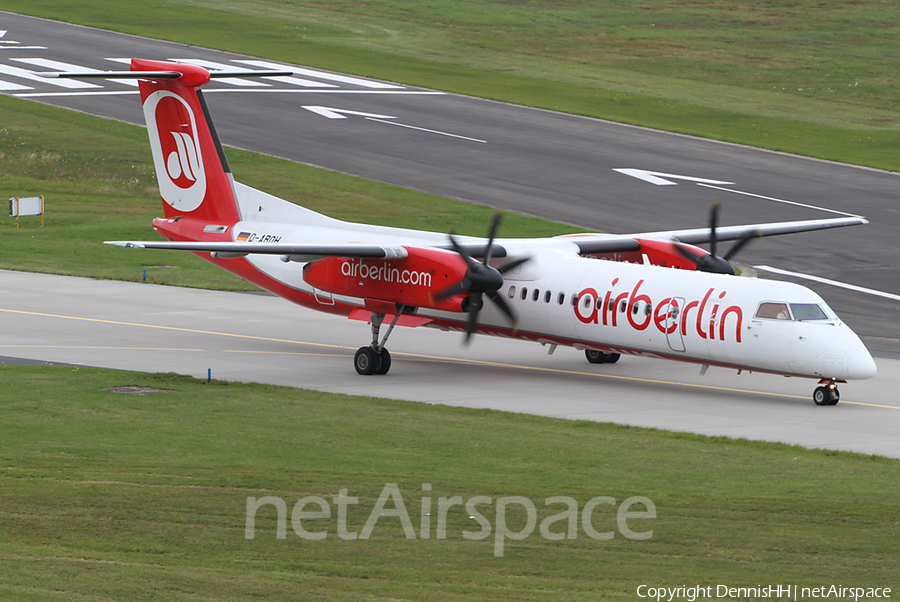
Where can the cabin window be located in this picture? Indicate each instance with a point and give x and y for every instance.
(622, 307)
(524, 293)
(561, 299)
(512, 291)
(536, 295)
(807, 311)
(575, 300)
(587, 301)
(634, 309)
(648, 309)
(773, 311)
(547, 296)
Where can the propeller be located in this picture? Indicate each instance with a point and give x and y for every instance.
(710, 262)
(481, 279)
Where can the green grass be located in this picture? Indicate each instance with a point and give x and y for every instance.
(113, 496)
(805, 76)
(99, 184)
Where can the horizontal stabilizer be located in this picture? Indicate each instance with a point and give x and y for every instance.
(241, 249)
(162, 74)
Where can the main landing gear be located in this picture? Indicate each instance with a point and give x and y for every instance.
(598, 357)
(826, 394)
(375, 359)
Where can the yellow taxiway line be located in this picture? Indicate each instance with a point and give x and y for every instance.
(435, 358)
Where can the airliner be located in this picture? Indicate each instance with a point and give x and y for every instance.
(652, 294)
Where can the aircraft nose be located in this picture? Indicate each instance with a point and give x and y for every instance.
(860, 364)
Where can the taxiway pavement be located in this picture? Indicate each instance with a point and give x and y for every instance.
(259, 338)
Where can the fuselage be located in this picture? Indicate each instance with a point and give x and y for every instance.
(562, 298)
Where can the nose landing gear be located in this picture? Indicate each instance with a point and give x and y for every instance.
(826, 394)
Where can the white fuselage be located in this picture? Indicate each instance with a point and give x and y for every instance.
(562, 298)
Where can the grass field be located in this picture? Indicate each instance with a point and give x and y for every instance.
(806, 76)
(107, 495)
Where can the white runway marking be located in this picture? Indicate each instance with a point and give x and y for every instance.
(332, 113)
(773, 199)
(659, 178)
(852, 287)
(31, 75)
(334, 77)
(67, 94)
(412, 127)
(60, 66)
(9, 86)
(295, 81)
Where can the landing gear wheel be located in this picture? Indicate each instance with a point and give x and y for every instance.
(826, 396)
(596, 357)
(366, 361)
(384, 363)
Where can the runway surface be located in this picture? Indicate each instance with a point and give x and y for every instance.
(553, 165)
(260, 338)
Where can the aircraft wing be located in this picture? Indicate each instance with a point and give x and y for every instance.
(604, 243)
(298, 252)
(700, 235)
(587, 243)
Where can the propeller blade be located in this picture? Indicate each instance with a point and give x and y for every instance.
(492, 231)
(481, 278)
(713, 223)
(475, 305)
(460, 251)
(740, 243)
(512, 264)
(688, 254)
(501, 303)
(454, 289)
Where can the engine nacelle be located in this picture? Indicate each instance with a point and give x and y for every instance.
(412, 281)
(659, 252)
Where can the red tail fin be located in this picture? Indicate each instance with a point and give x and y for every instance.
(193, 174)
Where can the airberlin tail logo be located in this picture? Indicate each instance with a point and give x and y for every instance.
(175, 144)
(183, 162)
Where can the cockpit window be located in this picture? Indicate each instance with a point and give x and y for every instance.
(798, 311)
(808, 311)
(773, 311)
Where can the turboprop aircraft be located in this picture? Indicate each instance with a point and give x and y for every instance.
(653, 294)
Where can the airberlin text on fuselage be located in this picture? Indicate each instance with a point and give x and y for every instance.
(384, 273)
(666, 315)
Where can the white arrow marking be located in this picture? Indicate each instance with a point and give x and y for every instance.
(2, 32)
(337, 113)
(769, 198)
(658, 178)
